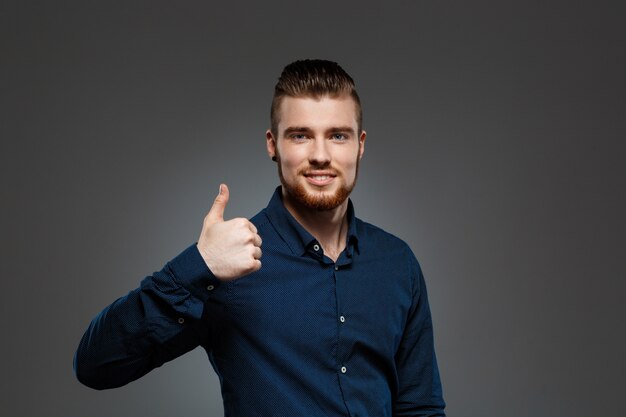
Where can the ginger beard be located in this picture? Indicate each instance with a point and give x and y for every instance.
(320, 200)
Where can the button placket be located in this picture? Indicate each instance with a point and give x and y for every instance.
(341, 321)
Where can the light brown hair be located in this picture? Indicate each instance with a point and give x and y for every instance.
(313, 78)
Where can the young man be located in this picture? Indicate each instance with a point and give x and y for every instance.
(304, 310)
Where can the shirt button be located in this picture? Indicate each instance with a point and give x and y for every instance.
(336, 267)
(181, 320)
(316, 247)
(342, 319)
(343, 370)
(210, 287)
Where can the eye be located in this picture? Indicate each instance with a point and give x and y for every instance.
(298, 137)
(340, 137)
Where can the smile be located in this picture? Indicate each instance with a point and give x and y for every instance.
(319, 179)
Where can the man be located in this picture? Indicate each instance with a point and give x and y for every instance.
(304, 310)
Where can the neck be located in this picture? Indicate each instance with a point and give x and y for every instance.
(329, 227)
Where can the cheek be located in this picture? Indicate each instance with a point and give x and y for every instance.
(291, 158)
(350, 162)
(289, 166)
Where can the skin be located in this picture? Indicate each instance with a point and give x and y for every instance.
(318, 137)
(318, 149)
(230, 248)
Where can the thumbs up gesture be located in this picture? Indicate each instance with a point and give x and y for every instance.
(231, 249)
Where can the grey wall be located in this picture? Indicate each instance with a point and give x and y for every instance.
(495, 148)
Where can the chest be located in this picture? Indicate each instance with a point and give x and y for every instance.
(302, 303)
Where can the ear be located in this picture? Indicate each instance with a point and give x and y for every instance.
(270, 142)
(362, 143)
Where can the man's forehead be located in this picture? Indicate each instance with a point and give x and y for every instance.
(322, 111)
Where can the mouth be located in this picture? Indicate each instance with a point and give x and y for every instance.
(320, 178)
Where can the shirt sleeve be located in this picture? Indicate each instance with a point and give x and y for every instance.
(420, 392)
(153, 324)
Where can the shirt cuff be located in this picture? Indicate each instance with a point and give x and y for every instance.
(192, 273)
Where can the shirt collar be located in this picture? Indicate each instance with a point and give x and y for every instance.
(292, 232)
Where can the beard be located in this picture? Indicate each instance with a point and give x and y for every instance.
(316, 200)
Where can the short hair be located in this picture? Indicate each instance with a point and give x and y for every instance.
(313, 78)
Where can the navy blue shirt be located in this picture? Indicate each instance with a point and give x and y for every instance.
(302, 336)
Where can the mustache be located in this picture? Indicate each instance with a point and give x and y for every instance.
(321, 166)
(315, 170)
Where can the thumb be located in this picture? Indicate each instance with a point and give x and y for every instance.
(216, 214)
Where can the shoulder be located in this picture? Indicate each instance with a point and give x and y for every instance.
(373, 239)
(260, 219)
(371, 235)
(381, 246)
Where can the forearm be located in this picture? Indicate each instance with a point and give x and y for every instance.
(158, 321)
(419, 391)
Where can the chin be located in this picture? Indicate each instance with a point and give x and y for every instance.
(318, 200)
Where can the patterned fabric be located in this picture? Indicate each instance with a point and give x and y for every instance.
(302, 336)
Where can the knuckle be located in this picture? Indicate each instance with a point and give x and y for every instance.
(251, 266)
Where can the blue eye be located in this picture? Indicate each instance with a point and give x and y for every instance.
(339, 137)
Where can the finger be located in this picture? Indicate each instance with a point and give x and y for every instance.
(257, 253)
(257, 241)
(252, 227)
(216, 214)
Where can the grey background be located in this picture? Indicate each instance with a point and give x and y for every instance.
(495, 148)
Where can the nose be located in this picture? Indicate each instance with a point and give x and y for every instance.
(319, 155)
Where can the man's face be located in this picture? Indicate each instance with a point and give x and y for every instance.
(318, 148)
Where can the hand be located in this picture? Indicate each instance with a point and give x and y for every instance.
(231, 249)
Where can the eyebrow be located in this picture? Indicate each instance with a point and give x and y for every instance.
(301, 129)
(341, 129)
(295, 129)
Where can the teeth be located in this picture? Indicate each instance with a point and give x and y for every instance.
(321, 177)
